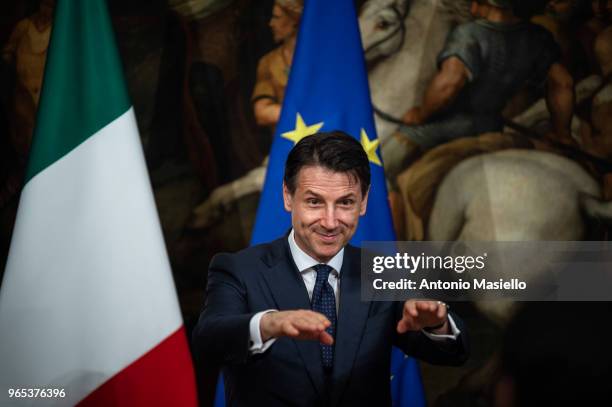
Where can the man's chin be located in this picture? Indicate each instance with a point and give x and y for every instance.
(327, 251)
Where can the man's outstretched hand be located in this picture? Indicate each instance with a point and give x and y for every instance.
(418, 315)
(299, 324)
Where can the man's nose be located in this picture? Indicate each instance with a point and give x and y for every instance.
(329, 220)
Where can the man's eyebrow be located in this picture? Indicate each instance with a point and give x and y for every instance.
(349, 195)
(311, 192)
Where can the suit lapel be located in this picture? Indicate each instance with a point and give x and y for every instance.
(352, 317)
(289, 292)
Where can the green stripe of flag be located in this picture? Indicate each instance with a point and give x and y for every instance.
(83, 87)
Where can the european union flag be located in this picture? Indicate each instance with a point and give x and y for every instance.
(328, 90)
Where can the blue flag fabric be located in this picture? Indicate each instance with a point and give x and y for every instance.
(328, 90)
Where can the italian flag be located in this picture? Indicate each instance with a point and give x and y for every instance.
(88, 304)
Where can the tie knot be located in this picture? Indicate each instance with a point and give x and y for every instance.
(323, 271)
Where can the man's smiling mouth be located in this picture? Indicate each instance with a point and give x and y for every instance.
(328, 237)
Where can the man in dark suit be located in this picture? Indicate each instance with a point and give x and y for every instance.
(286, 319)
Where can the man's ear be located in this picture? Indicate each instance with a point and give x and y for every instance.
(364, 203)
(287, 198)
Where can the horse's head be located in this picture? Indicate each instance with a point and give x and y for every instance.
(382, 27)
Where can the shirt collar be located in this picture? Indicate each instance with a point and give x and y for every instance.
(304, 262)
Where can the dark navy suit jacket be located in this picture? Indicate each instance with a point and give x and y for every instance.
(290, 372)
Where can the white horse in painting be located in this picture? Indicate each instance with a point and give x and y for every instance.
(516, 195)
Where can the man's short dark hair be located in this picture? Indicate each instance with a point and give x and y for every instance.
(335, 151)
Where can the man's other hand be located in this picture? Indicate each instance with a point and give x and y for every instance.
(299, 324)
(419, 315)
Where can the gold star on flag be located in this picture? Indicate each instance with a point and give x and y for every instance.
(301, 130)
(370, 148)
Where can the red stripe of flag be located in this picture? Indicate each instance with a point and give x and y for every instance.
(161, 377)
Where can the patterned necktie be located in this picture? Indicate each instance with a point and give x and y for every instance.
(324, 301)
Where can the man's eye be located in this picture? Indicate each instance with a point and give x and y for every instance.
(347, 202)
(312, 201)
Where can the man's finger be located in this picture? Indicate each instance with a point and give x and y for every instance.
(309, 324)
(300, 332)
(288, 329)
(441, 310)
(321, 318)
(326, 339)
(426, 306)
(404, 325)
(411, 309)
(312, 315)
(401, 326)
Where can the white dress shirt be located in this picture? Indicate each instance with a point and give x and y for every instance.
(305, 265)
